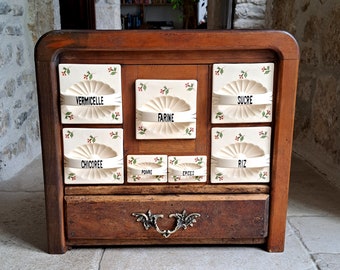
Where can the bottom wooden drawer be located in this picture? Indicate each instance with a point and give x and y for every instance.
(166, 219)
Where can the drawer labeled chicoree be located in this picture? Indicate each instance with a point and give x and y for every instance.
(167, 218)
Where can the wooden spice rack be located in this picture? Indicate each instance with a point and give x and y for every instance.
(172, 213)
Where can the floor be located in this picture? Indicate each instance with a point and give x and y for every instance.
(312, 238)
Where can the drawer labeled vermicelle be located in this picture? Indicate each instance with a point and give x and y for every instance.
(93, 156)
(242, 93)
(166, 109)
(240, 155)
(90, 93)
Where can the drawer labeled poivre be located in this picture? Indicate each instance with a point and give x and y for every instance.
(167, 219)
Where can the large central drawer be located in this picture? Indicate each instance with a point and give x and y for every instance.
(167, 219)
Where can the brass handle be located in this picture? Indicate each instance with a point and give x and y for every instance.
(182, 221)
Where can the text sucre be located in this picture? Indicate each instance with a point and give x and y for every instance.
(245, 100)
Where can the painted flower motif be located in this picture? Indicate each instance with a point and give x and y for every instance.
(142, 87)
(243, 74)
(198, 178)
(91, 139)
(159, 177)
(66, 71)
(263, 175)
(69, 134)
(136, 177)
(158, 160)
(72, 176)
(239, 138)
(176, 178)
(189, 86)
(263, 134)
(69, 116)
(266, 113)
(114, 135)
(265, 70)
(219, 71)
(88, 75)
(218, 135)
(219, 116)
(199, 160)
(141, 130)
(132, 160)
(219, 176)
(189, 131)
(165, 90)
(117, 176)
(112, 71)
(174, 161)
(115, 115)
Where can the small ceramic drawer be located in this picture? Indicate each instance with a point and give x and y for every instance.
(240, 155)
(242, 93)
(146, 168)
(187, 169)
(93, 156)
(166, 109)
(90, 93)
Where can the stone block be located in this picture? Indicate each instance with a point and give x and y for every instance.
(17, 10)
(309, 55)
(6, 53)
(4, 123)
(4, 8)
(14, 30)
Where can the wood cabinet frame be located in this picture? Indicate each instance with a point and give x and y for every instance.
(201, 48)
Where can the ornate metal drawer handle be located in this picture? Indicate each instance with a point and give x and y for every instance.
(182, 221)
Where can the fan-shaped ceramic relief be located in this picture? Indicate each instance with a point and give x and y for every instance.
(240, 154)
(90, 93)
(147, 168)
(242, 93)
(93, 156)
(166, 109)
(187, 169)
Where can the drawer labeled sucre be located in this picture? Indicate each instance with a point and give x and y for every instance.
(93, 156)
(240, 155)
(242, 93)
(90, 93)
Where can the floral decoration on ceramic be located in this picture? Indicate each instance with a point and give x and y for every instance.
(146, 168)
(187, 169)
(240, 155)
(242, 93)
(90, 93)
(93, 156)
(165, 109)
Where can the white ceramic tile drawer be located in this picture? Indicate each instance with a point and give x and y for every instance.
(93, 156)
(187, 169)
(240, 155)
(146, 168)
(242, 93)
(166, 109)
(90, 93)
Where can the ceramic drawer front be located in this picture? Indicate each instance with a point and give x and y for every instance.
(187, 169)
(165, 109)
(152, 219)
(242, 93)
(146, 168)
(93, 156)
(240, 155)
(90, 93)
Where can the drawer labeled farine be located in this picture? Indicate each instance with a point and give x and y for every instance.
(93, 156)
(90, 93)
(146, 169)
(240, 155)
(242, 93)
(166, 109)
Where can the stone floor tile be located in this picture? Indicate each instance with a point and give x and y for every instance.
(214, 257)
(319, 234)
(327, 261)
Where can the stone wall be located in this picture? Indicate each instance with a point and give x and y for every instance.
(250, 14)
(22, 22)
(108, 14)
(316, 26)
